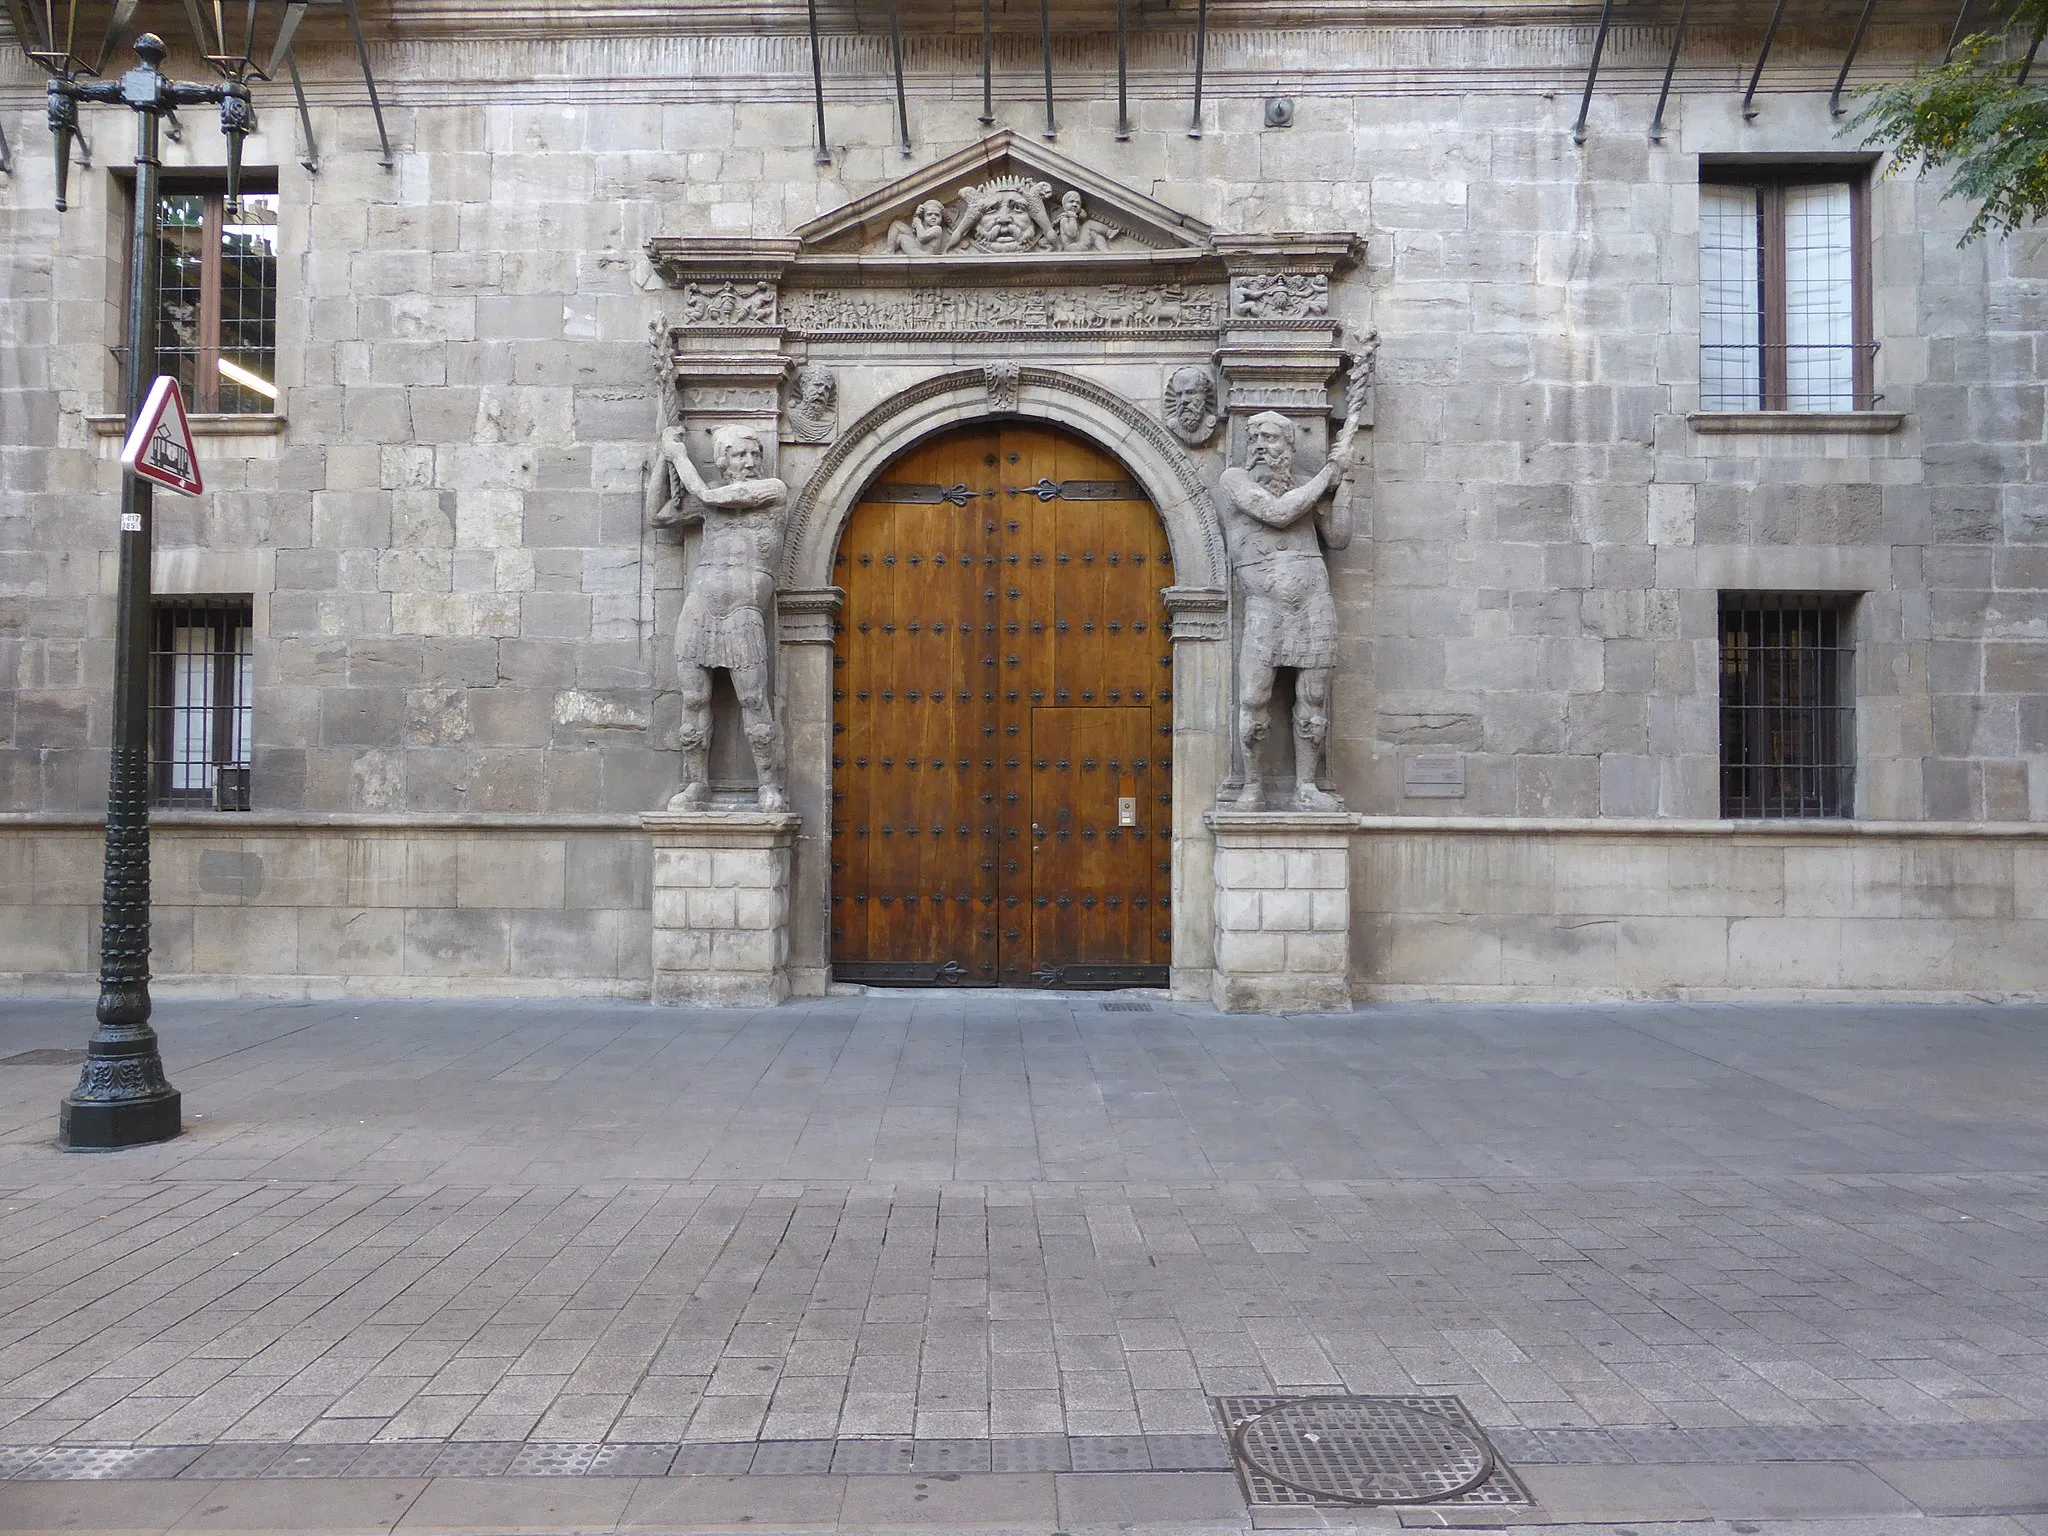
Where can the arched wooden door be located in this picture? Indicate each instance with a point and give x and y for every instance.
(1002, 720)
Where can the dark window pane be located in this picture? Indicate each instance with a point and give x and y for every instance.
(201, 724)
(1788, 734)
(248, 304)
(181, 303)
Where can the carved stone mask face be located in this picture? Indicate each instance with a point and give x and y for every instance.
(814, 387)
(1187, 399)
(1004, 223)
(1268, 453)
(1071, 204)
(931, 218)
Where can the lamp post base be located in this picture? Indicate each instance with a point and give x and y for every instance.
(100, 1125)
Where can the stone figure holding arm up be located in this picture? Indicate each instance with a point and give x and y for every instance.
(1272, 527)
(724, 622)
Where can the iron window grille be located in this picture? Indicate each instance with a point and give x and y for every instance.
(1785, 320)
(202, 669)
(217, 311)
(1788, 713)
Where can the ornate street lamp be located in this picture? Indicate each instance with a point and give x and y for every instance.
(122, 1098)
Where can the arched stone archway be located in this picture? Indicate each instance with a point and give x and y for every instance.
(1198, 605)
(1168, 476)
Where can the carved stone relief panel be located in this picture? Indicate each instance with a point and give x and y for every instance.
(1188, 404)
(1172, 308)
(1280, 296)
(1001, 216)
(813, 406)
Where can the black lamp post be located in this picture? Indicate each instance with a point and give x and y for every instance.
(122, 1098)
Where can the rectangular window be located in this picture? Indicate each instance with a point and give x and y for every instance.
(217, 312)
(1788, 710)
(200, 715)
(1784, 293)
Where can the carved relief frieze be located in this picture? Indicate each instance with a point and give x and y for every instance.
(1279, 296)
(731, 303)
(1002, 216)
(1134, 307)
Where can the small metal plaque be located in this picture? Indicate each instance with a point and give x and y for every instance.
(1434, 776)
(1127, 810)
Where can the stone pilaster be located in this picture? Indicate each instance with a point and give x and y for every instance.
(721, 906)
(1283, 910)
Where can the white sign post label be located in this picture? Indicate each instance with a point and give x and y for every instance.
(159, 446)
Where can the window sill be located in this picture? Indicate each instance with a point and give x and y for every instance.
(221, 424)
(1780, 423)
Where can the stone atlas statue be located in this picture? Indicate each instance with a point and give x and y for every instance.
(724, 622)
(1276, 532)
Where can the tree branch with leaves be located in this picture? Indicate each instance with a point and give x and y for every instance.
(1980, 116)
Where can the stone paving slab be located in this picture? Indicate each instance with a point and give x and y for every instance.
(977, 1238)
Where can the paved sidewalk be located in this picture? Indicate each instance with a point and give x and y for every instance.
(996, 1241)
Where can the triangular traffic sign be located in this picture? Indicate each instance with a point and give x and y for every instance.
(159, 446)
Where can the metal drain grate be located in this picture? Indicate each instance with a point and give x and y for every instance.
(64, 1057)
(1126, 1007)
(1296, 1452)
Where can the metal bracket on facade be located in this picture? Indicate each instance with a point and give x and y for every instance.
(818, 87)
(355, 26)
(1763, 53)
(896, 60)
(1670, 69)
(1123, 99)
(1045, 52)
(988, 84)
(1957, 34)
(1593, 71)
(311, 158)
(1855, 46)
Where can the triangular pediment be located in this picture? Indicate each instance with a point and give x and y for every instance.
(1005, 199)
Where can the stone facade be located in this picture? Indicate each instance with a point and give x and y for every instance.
(461, 612)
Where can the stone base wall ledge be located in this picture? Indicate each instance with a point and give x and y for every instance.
(721, 906)
(1283, 910)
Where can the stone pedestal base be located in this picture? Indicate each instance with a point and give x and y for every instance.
(721, 906)
(1283, 910)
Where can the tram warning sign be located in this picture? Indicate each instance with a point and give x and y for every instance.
(159, 446)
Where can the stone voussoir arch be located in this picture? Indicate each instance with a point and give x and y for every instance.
(1101, 415)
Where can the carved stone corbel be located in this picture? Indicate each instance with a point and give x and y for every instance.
(805, 614)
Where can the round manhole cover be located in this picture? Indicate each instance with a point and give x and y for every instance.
(1364, 1451)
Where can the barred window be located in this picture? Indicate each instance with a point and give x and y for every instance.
(217, 313)
(1784, 293)
(200, 715)
(1788, 713)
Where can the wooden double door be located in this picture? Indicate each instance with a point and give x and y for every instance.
(1002, 720)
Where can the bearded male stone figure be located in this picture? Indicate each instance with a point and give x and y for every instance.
(724, 622)
(1271, 526)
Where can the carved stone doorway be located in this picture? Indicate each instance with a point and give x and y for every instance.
(1002, 719)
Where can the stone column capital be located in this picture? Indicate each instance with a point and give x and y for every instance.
(805, 614)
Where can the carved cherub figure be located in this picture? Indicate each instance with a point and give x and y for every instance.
(924, 235)
(1073, 230)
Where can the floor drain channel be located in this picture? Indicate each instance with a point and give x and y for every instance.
(1126, 1007)
(1364, 1451)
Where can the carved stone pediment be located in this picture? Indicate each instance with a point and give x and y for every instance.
(1003, 203)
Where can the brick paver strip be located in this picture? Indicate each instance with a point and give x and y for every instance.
(1024, 1235)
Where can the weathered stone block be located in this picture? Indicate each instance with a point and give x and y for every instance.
(720, 911)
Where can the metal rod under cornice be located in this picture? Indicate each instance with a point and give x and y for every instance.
(1201, 59)
(355, 25)
(1763, 53)
(818, 87)
(1593, 70)
(1123, 97)
(1045, 52)
(1956, 36)
(1855, 45)
(1670, 69)
(896, 60)
(988, 85)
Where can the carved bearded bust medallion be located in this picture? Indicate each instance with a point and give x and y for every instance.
(1189, 404)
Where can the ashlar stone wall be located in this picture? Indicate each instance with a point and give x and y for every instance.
(460, 610)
